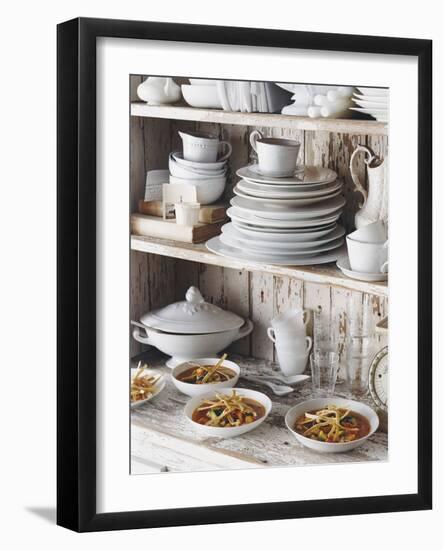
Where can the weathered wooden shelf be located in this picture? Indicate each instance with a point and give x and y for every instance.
(323, 274)
(346, 126)
(162, 439)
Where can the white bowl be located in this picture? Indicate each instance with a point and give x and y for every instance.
(203, 97)
(200, 166)
(213, 431)
(179, 171)
(208, 189)
(200, 389)
(315, 404)
(203, 82)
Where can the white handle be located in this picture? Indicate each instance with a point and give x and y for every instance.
(255, 135)
(137, 336)
(271, 334)
(309, 346)
(384, 267)
(228, 154)
(352, 167)
(244, 330)
(306, 316)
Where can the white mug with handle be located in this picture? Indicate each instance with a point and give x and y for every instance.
(276, 157)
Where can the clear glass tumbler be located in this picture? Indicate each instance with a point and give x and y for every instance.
(324, 368)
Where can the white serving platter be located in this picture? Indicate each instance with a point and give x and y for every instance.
(217, 247)
(371, 92)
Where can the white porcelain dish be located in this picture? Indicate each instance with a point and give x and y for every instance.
(292, 202)
(245, 216)
(202, 97)
(345, 267)
(283, 235)
(270, 250)
(213, 431)
(183, 347)
(384, 99)
(208, 189)
(276, 245)
(199, 389)
(185, 172)
(217, 247)
(311, 175)
(264, 190)
(159, 386)
(370, 104)
(203, 166)
(316, 404)
(272, 211)
(373, 91)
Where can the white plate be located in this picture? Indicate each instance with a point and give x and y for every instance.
(378, 114)
(265, 190)
(377, 92)
(161, 383)
(311, 175)
(244, 216)
(383, 99)
(214, 431)
(292, 202)
(217, 247)
(232, 237)
(316, 404)
(371, 105)
(275, 211)
(283, 235)
(345, 267)
(276, 243)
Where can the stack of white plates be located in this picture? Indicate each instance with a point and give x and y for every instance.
(284, 221)
(372, 101)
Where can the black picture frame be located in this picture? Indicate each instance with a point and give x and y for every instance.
(76, 279)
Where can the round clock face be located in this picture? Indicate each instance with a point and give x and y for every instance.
(378, 379)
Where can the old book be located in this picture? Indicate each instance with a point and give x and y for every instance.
(210, 213)
(153, 226)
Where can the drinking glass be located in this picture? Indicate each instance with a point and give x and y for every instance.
(324, 368)
(326, 330)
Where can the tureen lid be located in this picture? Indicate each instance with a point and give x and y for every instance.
(192, 316)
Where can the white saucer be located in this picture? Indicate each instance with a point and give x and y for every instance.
(344, 266)
(268, 191)
(311, 175)
(256, 169)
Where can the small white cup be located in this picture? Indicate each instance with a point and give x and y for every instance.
(374, 232)
(276, 157)
(293, 319)
(203, 147)
(292, 354)
(367, 257)
(187, 213)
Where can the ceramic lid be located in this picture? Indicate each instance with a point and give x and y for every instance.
(192, 316)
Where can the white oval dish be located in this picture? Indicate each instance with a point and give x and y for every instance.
(315, 404)
(200, 389)
(374, 91)
(202, 97)
(159, 386)
(213, 431)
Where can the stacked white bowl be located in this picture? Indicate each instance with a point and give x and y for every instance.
(200, 165)
(373, 102)
(202, 93)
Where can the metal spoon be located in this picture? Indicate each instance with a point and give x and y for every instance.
(277, 389)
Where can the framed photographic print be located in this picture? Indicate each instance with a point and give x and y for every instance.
(244, 274)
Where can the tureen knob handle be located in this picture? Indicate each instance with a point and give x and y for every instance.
(194, 296)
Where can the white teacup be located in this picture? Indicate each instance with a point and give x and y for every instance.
(367, 257)
(203, 147)
(294, 319)
(292, 355)
(276, 157)
(374, 232)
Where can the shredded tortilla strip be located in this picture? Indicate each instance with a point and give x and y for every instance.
(143, 386)
(224, 406)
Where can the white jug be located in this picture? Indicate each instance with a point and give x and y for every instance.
(156, 90)
(375, 199)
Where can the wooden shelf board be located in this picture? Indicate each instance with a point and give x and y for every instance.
(346, 126)
(322, 274)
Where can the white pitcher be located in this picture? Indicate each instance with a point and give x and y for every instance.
(375, 199)
(156, 90)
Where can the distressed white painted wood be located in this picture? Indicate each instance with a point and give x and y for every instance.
(162, 435)
(350, 126)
